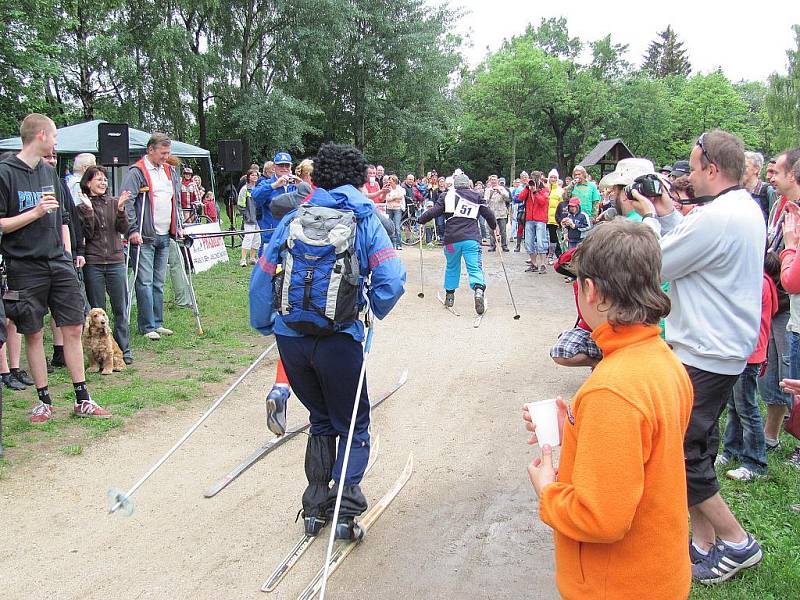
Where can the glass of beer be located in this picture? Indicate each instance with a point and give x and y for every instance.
(49, 190)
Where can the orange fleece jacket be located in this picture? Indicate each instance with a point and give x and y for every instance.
(619, 506)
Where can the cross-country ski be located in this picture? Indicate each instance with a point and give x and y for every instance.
(450, 308)
(275, 443)
(343, 550)
(306, 540)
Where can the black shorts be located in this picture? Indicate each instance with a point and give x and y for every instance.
(34, 286)
(701, 442)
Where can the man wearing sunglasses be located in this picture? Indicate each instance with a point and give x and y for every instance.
(713, 259)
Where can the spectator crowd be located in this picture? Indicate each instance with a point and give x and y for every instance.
(685, 281)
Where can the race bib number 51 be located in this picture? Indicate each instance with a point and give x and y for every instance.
(466, 209)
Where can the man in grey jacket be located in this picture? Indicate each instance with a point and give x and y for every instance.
(713, 260)
(152, 213)
(497, 197)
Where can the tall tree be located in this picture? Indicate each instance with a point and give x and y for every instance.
(783, 99)
(552, 36)
(666, 56)
(608, 58)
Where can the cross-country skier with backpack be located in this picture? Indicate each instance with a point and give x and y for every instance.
(328, 261)
(461, 207)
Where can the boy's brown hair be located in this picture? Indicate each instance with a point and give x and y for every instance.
(623, 259)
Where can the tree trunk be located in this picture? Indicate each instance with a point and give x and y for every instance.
(201, 111)
(513, 156)
(560, 158)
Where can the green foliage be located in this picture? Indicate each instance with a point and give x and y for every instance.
(783, 99)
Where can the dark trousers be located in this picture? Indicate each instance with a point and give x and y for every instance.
(102, 279)
(323, 372)
(701, 442)
(502, 224)
(552, 231)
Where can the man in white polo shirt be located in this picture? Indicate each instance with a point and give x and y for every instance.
(153, 216)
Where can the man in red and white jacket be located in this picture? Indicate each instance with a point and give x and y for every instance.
(152, 212)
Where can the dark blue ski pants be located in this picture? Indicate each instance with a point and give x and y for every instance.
(323, 372)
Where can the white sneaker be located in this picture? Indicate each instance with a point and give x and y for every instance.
(742, 474)
(721, 460)
(242, 263)
(152, 335)
(164, 331)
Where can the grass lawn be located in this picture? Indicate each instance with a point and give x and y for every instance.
(762, 506)
(170, 372)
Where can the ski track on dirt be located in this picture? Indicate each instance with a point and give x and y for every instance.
(466, 525)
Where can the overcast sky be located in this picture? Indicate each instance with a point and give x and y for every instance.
(747, 45)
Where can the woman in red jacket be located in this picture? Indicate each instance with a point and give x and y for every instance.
(537, 202)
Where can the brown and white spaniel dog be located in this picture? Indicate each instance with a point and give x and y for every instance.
(104, 353)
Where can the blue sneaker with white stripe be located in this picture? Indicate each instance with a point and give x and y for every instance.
(276, 409)
(723, 562)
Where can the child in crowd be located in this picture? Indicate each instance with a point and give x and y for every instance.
(744, 434)
(618, 501)
(576, 223)
(210, 206)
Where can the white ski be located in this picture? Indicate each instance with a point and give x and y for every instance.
(305, 542)
(344, 549)
(477, 321)
(450, 308)
(276, 442)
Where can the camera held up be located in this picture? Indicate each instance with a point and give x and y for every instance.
(647, 185)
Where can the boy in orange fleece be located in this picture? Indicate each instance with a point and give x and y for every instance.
(617, 502)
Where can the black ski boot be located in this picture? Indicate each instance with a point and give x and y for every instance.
(353, 504)
(347, 530)
(449, 298)
(480, 305)
(320, 456)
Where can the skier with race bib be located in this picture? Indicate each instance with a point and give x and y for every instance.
(329, 263)
(461, 207)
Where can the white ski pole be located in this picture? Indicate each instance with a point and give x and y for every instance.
(118, 499)
(187, 275)
(342, 477)
(136, 266)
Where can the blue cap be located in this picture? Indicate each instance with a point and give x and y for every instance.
(282, 158)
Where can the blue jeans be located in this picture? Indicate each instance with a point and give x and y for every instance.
(440, 228)
(537, 239)
(100, 279)
(778, 356)
(471, 251)
(396, 215)
(744, 432)
(150, 284)
(794, 355)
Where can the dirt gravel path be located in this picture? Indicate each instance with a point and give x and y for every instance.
(465, 526)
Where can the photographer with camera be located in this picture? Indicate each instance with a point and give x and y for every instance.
(497, 198)
(627, 171)
(281, 182)
(536, 198)
(713, 260)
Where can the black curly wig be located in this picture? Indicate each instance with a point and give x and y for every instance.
(339, 164)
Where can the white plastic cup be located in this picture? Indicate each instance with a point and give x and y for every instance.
(544, 415)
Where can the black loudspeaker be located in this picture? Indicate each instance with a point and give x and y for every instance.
(112, 143)
(232, 155)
